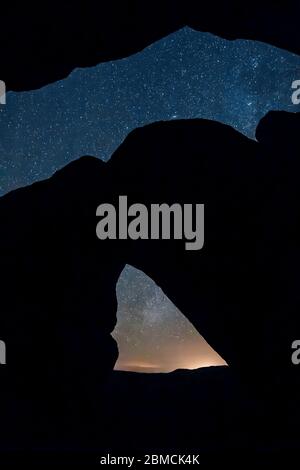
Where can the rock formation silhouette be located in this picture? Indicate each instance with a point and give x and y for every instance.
(42, 44)
(58, 299)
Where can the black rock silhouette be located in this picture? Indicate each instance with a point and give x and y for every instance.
(46, 44)
(58, 300)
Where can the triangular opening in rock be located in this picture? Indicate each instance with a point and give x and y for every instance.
(152, 334)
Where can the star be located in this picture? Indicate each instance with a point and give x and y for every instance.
(186, 75)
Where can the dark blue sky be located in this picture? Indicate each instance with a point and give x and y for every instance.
(186, 75)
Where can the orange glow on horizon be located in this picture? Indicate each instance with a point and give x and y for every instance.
(148, 367)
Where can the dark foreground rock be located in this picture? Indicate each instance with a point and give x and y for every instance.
(58, 301)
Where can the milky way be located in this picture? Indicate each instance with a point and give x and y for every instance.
(152, 334)
(185, 75)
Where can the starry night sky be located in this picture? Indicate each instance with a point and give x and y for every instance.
(185, 75)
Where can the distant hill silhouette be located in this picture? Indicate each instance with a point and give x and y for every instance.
(87, 32)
